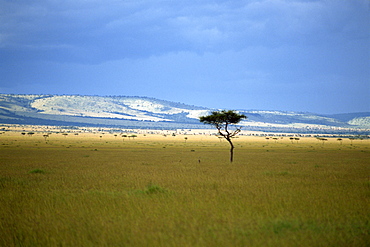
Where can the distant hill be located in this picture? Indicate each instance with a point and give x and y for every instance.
(150, 113)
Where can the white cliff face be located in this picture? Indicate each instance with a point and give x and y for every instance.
(90, 106)
(147, 105)
(361, 121)
(110, 107)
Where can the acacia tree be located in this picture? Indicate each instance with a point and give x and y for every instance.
(222, 120)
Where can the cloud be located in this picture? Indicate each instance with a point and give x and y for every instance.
(96, 31)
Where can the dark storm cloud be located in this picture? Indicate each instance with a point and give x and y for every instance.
(95, 31)
(273, 47)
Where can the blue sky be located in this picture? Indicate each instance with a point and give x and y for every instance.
(291, 55)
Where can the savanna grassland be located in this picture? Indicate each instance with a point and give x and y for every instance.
(88, 190)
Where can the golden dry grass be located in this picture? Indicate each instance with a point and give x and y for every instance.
(88, 190)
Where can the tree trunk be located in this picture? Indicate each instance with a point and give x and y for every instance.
(231, 150)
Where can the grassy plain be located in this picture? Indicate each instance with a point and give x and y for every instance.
(88, 190)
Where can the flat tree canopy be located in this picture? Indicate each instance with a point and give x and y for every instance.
(222, 121)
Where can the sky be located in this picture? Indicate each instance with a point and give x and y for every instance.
(289, 55)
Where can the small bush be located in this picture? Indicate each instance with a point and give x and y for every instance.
(37, 171)
(152, 189)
